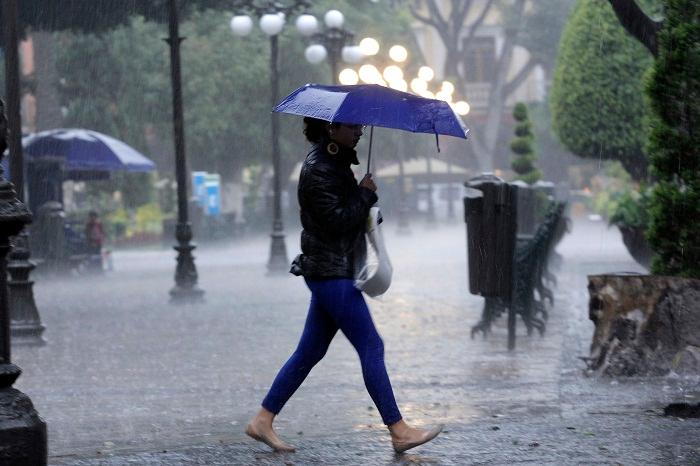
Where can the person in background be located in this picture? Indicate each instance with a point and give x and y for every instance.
(94, 236)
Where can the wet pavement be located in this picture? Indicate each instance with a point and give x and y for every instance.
(127, 378)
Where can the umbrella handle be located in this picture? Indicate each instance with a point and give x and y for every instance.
(369, 153)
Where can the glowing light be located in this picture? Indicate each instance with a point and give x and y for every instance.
(392, 73)
(426, 73)
(398, 53)
(441, 95)
(428, 95)
(418, 85)
(315, 53)
(462, 108)
(370, 74)
(399, 85)
(448, 87)
(369, 46)
(348, 76)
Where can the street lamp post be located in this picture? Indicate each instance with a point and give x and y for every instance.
(26, 323)
(22, 431)
(272, 16)
(185, 289)
(332, 41)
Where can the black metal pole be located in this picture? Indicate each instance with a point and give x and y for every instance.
(22, 431)
(450, 206)
(403, 225)
(333, 58)
(278, 262)
(185, 289)
(429, 178)
(26, 323)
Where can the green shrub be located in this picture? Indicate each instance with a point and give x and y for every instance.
(674, 143)
(522, 146)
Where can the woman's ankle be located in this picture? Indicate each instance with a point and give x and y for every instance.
(264, 416)
(398, 428)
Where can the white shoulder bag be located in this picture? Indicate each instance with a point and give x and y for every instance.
(374, 276)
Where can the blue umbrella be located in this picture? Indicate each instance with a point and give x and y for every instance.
(374, 105)
(86, 150)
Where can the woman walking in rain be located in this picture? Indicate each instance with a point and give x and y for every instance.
(334, 209)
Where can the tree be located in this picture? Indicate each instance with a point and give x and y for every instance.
(521, 145)
(533, 25)
(596, 100)
(674, 143)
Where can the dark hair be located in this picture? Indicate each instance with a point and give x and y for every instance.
(315, 129)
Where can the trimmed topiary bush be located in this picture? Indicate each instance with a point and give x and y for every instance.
(522, 146)
(597, 99)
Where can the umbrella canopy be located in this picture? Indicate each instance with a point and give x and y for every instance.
(374, 105)
(85, 150)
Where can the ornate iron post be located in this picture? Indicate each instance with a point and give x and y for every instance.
(185, 289)
(403, 225)
(430, 218)
(334, 39)
(22, 431)
(26, 323)
(277, 262)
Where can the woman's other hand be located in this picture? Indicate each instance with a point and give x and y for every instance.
(368, 183)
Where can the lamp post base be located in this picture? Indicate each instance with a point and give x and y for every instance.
(185, 290)
(278, 263)
(22, 431)
(27, 334)
(24, 315)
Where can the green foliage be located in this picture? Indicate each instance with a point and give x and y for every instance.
(522, 146)
(631, 208)
(674, 144)
(541, 28)
(596, 100)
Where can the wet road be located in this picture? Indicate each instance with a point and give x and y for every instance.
(127, 378)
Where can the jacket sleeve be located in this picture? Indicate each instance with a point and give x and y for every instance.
(340, 211)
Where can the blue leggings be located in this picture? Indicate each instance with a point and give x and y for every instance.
(336, 304)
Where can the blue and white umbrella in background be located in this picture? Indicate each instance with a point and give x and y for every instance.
(83, 150)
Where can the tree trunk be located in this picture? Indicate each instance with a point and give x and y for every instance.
(48, 108)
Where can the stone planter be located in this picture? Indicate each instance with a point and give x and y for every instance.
(636, 244)
(644, 324)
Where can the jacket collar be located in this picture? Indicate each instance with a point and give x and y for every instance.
(345, 154)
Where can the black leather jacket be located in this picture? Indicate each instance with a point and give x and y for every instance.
(334, 210)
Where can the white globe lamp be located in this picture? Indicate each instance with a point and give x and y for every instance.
(315, 53)
(271, 24)
(307, 25)
(334, 19)
(241, 25)
(352, 54)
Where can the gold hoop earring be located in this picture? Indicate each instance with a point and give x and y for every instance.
(332, 148)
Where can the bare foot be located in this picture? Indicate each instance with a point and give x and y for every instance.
(260, 428)
(405, 437)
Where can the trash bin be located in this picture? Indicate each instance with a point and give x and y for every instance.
(490, 209)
